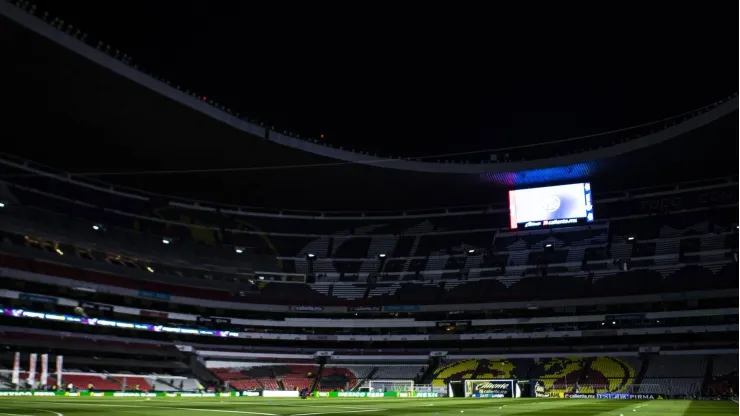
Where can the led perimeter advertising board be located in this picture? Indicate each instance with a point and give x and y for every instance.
(551, 206)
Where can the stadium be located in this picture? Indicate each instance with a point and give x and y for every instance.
(593, 276)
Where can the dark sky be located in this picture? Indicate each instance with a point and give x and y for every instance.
(422, 80)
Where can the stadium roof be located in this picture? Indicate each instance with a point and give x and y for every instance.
(97, 121)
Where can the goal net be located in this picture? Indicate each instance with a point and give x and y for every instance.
(382, 386)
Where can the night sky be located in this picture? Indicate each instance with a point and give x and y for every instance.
(421, 81)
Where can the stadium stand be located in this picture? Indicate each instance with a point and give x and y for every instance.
(610, 375)
(724, 380)
(337, 379)
(397, 372)
(66, 243)
(678, 375)
(724, 365)
(101, 382)
(457, 369)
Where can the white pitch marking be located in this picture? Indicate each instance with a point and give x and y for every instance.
(333, 413)
(49, 411)
(243, 412)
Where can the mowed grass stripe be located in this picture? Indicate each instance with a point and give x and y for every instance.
(719, 408)
(352, 407)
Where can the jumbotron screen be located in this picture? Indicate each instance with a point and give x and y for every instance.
(551, 206)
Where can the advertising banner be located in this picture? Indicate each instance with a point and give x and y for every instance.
(625, 317)
(454, 324)
(612, 396)
(364, 309)
(304, 308)
(26, 393)
(37, 298)
(114, 394)
(280, 393)
(210, 320)
(401, 308)
(96, 306)
(16, 377)
(60, 365)
(489, 388)
(154, 314)
(32, 370)
(627, 396)
(579, 396)
(153, 295)
(44, 369)
(375, 394)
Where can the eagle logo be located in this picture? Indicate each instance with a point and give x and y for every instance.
(551, 203)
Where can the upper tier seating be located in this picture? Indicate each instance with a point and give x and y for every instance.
(671, 366)
(397, 372)
(724, 365)
(508, 288)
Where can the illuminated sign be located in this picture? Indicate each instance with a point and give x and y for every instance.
(551, 206)
(20, 313)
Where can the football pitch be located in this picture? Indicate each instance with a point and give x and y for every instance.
(79, 406)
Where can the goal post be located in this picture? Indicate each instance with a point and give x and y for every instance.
(382, 386)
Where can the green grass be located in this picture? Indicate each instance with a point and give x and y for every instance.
(169, 406)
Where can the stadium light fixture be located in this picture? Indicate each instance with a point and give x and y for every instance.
(471, 251)
(548, 245)
(2, 204)
(96, 227)
(149, 269)
(381, 255)
(239, 250)
(310, 256)
(166, 240)
(630, 238)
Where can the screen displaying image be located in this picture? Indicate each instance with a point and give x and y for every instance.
(551, 205)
